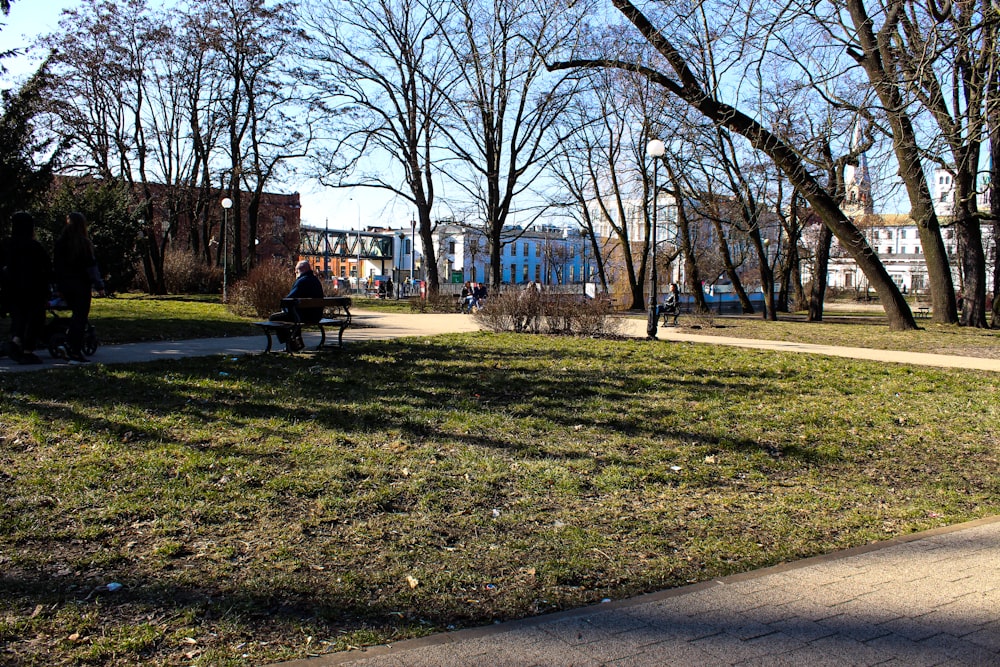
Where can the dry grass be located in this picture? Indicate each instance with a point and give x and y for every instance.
(267, 508)
(854, 331)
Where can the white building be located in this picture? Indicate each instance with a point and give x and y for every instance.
(896, 240)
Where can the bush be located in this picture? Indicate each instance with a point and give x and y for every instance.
(187, 273)
(532, 312)
(435, 303)
(183, 273)
(260, 293)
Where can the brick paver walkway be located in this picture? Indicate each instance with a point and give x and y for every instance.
(928, 599)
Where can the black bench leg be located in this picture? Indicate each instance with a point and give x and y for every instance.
(340, 335)
(322, 337)
(267, 332)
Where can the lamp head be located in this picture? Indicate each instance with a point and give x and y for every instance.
(227, 203)
(655, 148)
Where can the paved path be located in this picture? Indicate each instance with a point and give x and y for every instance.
(927, 599)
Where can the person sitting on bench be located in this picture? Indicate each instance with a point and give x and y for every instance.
(306, 286)
(671, 304)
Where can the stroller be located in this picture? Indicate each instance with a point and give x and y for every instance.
(56, 332)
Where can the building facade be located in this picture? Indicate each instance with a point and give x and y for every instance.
(546, 254)
(896, 241)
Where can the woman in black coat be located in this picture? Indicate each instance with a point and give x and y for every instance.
(26, 272)
(76, 275)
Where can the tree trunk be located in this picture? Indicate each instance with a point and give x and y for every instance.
(687, 248)
(818, 293)
(973, 265)
(995, 207)
(876, 53)
(727, 262)
(430, 255)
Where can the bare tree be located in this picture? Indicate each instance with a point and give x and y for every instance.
(935, 57)
(687, 86)
(101, 88)
(383, 68)
(503, 106)
(993, 107)
(267, 121)
(569, 171)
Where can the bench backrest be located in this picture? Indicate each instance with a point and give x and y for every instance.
(340, 304)
(320, 302)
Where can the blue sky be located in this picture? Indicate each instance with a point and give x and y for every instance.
(27, 20)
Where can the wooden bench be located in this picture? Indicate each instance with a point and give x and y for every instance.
(923, 310)
(336, 313)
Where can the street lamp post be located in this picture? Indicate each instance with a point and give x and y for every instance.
(766, 275)
(227, 204)
(326, 248)
(654, 149)
(413, 250)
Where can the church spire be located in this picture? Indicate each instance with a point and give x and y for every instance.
(857, 180)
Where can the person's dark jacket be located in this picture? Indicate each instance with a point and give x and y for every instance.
(26, 269)
(307, 286)
(75, 266)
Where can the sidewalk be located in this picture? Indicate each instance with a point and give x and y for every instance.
(927, 599)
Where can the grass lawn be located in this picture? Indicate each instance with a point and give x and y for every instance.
(267, 508)
(129, 318)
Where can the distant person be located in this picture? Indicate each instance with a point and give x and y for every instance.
(479, 293)
(672, 304)
(467, 298)
(25, 276)
(306, 286)
(77, 276)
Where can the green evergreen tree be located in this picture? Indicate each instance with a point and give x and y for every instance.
(26, 162)
(113, 223)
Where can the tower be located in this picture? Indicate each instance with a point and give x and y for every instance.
(857, 182)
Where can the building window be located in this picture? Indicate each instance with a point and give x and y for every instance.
(451, 247)
(903, 250)
(888, 250)
(513, 273)
(278, 226)
(513, 249)
(524, 273)
(526, 250)
(538, 250)
(888, 233)
(902, 233)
